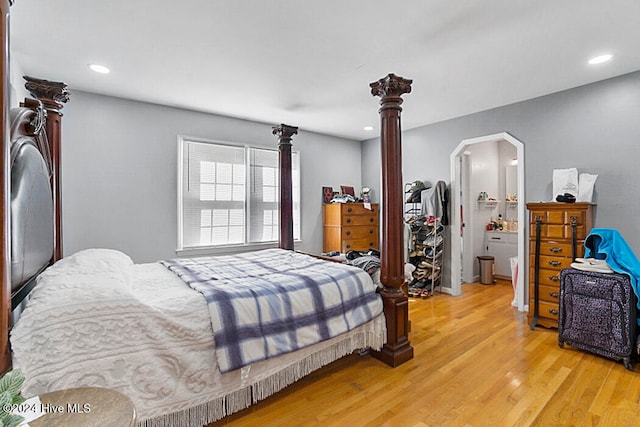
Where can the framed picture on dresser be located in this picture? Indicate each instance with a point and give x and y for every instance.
(345, 189)
(327, 194)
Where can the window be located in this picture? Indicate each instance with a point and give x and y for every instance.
(229, 194)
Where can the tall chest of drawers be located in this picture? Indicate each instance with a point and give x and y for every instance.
(555, 253)
(349, 226)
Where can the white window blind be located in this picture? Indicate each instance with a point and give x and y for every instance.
(230, 195)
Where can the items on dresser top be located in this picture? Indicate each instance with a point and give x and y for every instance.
(350, 226)
(557, 232)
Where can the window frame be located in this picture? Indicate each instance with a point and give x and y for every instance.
(247, 245)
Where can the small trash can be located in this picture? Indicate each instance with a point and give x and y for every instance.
(486, 269)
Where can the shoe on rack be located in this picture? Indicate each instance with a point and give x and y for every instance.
(435, 230)
(420, 273)
(433, 240)
(429, 265)
(432, 220)
(433, 252)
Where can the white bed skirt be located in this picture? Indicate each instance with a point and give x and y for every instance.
(263, 379)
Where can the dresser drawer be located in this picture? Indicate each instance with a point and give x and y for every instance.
(546, 277)
(559, 216)
(358, 209)
(359, 232)
(348, 220)
(550, 294)
(552, 262)
(558, 231)
(557, 249)
(548, 309)
(359, 244)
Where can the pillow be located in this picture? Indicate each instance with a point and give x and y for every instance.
(97, 260)
(90, 267)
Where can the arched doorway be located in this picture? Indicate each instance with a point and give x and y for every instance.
(457, 173)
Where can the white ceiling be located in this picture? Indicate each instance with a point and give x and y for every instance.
(309, 63)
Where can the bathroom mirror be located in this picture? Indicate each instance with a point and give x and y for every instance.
(511, 180)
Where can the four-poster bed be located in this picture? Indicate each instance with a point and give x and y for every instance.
(240, 387)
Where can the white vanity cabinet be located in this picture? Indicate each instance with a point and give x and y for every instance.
(502, 245)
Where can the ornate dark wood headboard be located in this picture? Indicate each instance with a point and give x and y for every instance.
(51, 96)
(31, 211)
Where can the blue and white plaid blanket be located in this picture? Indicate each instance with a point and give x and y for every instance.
(266, 303)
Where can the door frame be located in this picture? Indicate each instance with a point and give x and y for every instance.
(454, 259)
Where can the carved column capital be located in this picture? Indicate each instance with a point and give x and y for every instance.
(391, 85)
(52, 94)
(284, 133)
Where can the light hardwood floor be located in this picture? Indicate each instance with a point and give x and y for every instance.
(476, 363)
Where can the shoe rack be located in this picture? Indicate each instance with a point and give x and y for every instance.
(426, 248)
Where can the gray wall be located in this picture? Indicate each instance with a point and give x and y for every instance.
(119, 178)
(594, 128)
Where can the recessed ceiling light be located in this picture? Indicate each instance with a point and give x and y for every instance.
(600, 59)
(99, 68)
(368, 128)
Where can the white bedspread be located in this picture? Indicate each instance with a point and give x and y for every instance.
(142, 331)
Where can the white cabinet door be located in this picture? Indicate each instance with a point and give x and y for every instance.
(502, 246)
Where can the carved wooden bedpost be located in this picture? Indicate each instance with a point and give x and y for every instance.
(52, 95)
(284, 134)
(397, 350)
(5, 249)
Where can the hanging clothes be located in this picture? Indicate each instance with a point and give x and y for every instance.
(435, 202)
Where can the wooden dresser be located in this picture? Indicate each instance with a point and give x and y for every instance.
(349, 226)
(556, 253)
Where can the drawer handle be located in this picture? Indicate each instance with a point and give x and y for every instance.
(554, 278)
(349, 210)
(555, 263)
(348, 220)
(553, 311)
(348, 246)
(370, 244)
(555, 249)
(554, 294)
(371, 219)
(538, 218)
(371, 231)
(348, 233)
